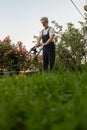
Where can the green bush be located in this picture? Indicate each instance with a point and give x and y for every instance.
(71, 44)
(44, 102)
(11, 54)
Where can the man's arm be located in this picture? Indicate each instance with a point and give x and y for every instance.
(38, 41)
(49, 40)
(51, 34)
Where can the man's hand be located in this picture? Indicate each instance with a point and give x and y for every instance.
(37, 45)
(41, 44)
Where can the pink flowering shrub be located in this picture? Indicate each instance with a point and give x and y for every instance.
(11, 54)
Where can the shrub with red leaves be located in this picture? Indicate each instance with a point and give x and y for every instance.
(11, 54)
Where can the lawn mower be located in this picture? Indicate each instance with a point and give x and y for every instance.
(29, 63)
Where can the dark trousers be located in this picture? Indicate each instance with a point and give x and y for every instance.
(48, 56)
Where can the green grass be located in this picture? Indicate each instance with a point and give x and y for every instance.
(48, 101)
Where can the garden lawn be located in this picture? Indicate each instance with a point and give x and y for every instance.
(48, 101)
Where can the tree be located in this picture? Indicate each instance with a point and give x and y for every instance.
(71, 46)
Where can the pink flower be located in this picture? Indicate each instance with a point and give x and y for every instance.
(6, 40)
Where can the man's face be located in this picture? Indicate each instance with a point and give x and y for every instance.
(44, 23)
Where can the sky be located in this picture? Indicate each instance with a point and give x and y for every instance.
(20, 19)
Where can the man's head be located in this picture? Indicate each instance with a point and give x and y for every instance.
(44, 21)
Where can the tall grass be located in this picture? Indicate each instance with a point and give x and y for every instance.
(48, 101)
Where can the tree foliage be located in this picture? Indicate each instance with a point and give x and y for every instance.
(71, 44)
(11, 54)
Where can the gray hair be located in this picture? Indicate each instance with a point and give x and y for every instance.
(44, 18)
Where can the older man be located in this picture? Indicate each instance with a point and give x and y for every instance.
(47, 36)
